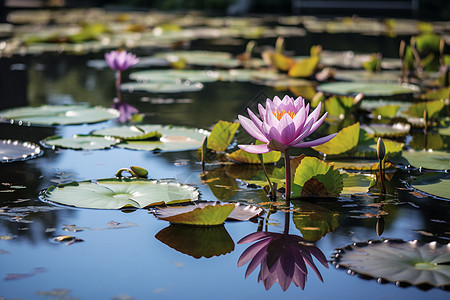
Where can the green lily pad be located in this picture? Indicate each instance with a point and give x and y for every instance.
(202, 58)
(434, 160)
(175, 76)
(119, 193)
(81, 142)
(314, 221)
(221, 135)
(173, 138)
(314, 177)
(251, 158)
(386, 111)
(366, 76)
(59, 114)
(433, 108)
(11, 150)
(356, 183)
(162, 87)
(197, 241)
(398, 261)
(339, 106)
(386, 130)
(433, 183)
(371, 89)
(198, 214)
(346, 140)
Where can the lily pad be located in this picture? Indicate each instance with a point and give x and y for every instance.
(221, 135)
(251, 158)
(314, 177)
(433, 183)
(115, 193)
(162, 87)
(175, 76)
(371, 89)
(12, 150)
(198, 214)
(404, 263)
(386, 130)
(59, 114)
(173, 138)
(356, 183)
(366, 76)
(346, 140)
(202, 58)
(81, 142)
(434, 160)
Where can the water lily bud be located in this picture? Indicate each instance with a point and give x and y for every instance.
(140, 172)
(380, 225)
(381, 149)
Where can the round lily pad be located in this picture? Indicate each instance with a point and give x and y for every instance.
(434, 160)
(433, 183)
(202, 58)
(386, 130)
(404, 263)
(81, 142)
(363, 75)
(116, 193)
(175, 76)
(17, 151)
(59, 114)
(162, 87)
(173, 138)
(371, 89)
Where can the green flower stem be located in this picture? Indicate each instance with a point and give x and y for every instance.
(287, 166)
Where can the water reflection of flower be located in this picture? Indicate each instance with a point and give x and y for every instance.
(283, 258)
(126, 110)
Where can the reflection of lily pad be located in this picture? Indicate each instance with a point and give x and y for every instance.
(18, 151)
(405, 263)
(162, 87)
(199, 214)
(118, 193)
(173, 138)
(314, 221)
(433, 183)
(59, 114)
(367, 88)
(82, 142)
(197, 241)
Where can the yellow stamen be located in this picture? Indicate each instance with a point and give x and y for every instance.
(279, 114)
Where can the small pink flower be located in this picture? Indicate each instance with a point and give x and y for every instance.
(282, 257)
(283, 124)
(120, 60)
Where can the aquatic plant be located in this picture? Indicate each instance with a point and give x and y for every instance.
(285, 123)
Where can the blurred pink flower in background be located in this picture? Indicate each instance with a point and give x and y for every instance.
(120, 60)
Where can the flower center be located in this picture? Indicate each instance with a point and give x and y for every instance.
(279, 114)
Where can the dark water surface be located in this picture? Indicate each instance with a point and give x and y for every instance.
(120, 263)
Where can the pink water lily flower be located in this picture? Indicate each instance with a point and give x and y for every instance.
(283, 124)
(120, 60)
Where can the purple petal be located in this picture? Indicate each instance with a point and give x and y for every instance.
(316, 142)
(287, 129)
(318, 123)
(252, 129)
(315, 114)
(257, 149)
(299, 278)
(304, 133)
(251, 252)
(254, 237)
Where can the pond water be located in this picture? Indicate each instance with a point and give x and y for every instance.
(121, 256)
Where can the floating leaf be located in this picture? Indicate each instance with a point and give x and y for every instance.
(433, 108)
(175, 76)
(243, 212)
(365, 165)
(282, 62)
(386, 111)
(119, 193)
(82, 142)
(433, 183)
(346, 140)
(434, 160)
(197, 241)
(371, 89)
(199, 214)
(385, 130)
(304, 68)
(356, 183)
(339, 106)
(173, 138)
(366, 76)
(314, 221)
(59, 114)
(221, 135)
(202, 58)
(398, 261)
(312, 171)
(162, 87)
(17, 151)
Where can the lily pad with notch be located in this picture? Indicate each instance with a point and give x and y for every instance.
(117, 193)
(59, 114)
(13, 150)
